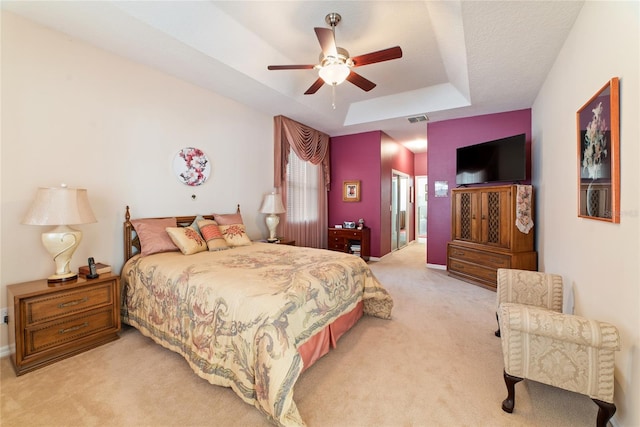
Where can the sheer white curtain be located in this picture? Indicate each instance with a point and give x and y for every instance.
(304, 220)
(302, 174)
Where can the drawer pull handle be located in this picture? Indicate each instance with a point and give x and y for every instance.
(73, 328)
(72, 303)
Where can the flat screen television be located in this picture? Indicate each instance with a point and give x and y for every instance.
(502, 160)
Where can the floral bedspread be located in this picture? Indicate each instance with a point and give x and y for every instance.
(238, 316)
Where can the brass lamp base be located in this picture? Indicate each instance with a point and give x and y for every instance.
(62, 278)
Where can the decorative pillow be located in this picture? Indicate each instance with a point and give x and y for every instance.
(187, 239)
(153, 235)
(235, 235)
(212, 234)
(194, 224)
(228, 219)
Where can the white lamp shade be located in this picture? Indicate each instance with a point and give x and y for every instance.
(272, 204)
(60, 206)
(335, 73)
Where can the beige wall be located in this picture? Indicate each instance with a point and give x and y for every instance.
(600, 260)
(119, 125)
(75, 114)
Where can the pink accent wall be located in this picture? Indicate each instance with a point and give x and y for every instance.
(420, 164)
(368, 157)
(444, 138)
(396, 157)
(357, 158)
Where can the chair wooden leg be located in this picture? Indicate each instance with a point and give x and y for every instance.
(605, 412)
(510, 401)
(497, 332)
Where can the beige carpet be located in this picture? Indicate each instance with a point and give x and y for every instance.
(437, 363)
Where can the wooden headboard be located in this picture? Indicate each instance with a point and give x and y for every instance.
(131, 240)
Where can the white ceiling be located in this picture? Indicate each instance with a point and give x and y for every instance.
(460, 58)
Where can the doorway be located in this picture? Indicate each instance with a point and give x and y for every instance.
(421, 208)
(399, 214)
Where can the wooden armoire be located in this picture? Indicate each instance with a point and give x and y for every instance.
(484, 235)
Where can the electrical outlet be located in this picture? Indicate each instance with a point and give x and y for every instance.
(4, 315)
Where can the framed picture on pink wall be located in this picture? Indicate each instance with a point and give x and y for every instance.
(598, 123)
(351, 191)
(441, 188)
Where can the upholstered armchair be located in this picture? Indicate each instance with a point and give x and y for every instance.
(530, 288)
(561, 350)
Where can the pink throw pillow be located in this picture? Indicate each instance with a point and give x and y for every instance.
(153, 235)
(228, 219)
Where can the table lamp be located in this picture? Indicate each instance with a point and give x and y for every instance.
(60, 206)
(272, 206)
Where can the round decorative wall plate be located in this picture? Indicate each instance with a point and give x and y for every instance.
(191, 166)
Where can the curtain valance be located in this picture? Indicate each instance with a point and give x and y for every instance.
(309, 145)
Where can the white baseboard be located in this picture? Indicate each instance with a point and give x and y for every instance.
(5, 351)
(437, 266)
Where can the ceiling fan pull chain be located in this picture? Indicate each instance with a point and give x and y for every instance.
(333, 96)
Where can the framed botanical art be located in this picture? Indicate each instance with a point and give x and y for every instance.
(351, 191)
(598, 123)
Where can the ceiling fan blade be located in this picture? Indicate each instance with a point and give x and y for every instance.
(379, 56)
(315, 86)
(327, 41)
(360, 81)
(290, 67)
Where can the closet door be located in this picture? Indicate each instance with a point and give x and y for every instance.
(399, 210)
(421, 207)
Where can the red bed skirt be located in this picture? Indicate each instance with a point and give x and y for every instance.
(323, 341)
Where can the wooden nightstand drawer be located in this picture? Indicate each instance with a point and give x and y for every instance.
(61, 304)
(345, 233)
(337, 245)
(67, 330)
(51, 323)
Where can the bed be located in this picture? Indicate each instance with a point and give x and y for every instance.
(252, 316)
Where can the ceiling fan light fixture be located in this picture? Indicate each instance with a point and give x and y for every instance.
(335, 63)
(334, 73)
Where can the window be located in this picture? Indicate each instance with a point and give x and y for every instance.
(302, 190)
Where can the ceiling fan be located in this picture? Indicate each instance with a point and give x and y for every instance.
(335, 64)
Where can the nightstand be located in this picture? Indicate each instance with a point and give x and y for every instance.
(284, 241)
(280, 241)
(50, 323)
(344, 239)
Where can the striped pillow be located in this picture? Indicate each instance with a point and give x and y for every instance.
(212, 234)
